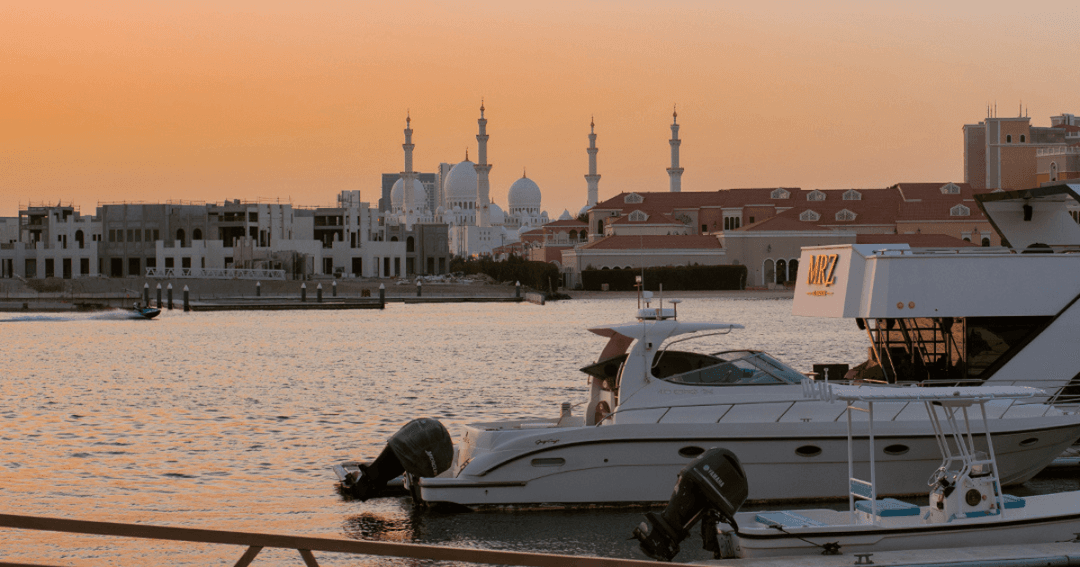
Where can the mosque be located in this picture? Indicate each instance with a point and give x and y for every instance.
(460, 199)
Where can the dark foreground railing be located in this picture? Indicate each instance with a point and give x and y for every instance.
(255, 542)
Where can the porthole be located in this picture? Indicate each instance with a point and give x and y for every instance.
(690, 452)
(550, 462)
(808, 451)
(896, 450)
(1029, 441)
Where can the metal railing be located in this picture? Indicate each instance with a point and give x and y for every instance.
(306, 545)
(216, 273)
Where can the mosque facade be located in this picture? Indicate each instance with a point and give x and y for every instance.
(476, 225)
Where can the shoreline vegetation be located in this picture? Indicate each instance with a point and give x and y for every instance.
(56, 294)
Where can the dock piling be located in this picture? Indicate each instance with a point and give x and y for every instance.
(318, 293)
(333, 288)
(303, 292)
(187, 302)
(146, 294)
(382, 296)
(159, 296)
(170, 297)
(517, 290)
(419, 288)
(258, 289)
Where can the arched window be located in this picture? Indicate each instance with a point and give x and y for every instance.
(410, 244)
(573, 234)
(393, 239)
(768, 272)
(779, 193)
(852, 195)
(1023, 138)
(1008, 138)
(809, 216)
(845, 215)
(599, 227)
(815, 195)
(196, 234)
(793, 269)
(584, 234)
(985, 241)
(180, 237)
(781, 271)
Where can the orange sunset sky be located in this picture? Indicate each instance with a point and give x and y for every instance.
(211, 100)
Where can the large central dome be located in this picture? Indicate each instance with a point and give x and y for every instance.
(460, 183)
(524, 194)
(397, 195)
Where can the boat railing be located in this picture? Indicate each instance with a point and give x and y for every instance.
(255, 542)
(1056, 399)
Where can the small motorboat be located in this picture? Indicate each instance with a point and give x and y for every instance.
(144, 312)
(967, 507)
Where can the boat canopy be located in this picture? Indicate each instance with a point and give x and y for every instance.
(660, 329)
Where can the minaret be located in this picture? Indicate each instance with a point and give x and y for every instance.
(592, 178)
(675, 172)
(407, 176)
(483, 190)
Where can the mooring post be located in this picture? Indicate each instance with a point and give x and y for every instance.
(146, 294)
(382, 296)
(170, 296)
(419, 288)
(303, 292)
(159, 296)
(517, 290)
(187, 303)
(318, 293)
(258, 289)
(333, 288)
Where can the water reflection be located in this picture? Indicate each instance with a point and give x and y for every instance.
(232, 420)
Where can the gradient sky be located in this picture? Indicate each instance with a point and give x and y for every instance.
(211, 100)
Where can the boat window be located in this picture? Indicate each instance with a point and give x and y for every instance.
(735, 368)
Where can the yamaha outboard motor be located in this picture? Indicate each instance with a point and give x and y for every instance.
(421, 448)
(713, 485)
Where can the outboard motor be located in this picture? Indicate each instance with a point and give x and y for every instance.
(714, 486)
(421, 448)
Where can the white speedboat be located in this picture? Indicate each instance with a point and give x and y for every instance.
(967, 507)
(654, 407)
(655, 404)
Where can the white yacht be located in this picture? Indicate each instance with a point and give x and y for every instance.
(654, 405)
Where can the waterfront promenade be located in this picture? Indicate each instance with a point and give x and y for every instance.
(210, 294)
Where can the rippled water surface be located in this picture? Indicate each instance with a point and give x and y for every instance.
(231, 420)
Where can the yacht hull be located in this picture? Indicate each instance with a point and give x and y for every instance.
(638, 463)
(1048, 518)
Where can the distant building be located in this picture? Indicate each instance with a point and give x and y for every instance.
(1001, 152)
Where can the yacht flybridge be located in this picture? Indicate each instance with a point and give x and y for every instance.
(1002, 316)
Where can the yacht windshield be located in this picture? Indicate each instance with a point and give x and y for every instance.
(729, 368)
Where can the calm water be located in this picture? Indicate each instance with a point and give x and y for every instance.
(231, 420)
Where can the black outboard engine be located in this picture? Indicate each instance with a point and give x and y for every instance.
(421, 448)
(713, 485)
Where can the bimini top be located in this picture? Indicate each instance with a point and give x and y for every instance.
(660, 329)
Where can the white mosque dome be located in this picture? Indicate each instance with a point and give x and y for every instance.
(498, 216)
(397, 198)
(584, 210)
(460, 183)
(565, 215)
(524, 194)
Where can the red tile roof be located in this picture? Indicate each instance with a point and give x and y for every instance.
(655, 242)
(572, 222)
(782, 223)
